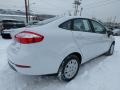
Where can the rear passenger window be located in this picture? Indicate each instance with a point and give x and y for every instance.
(78, 25)
(66, 25)
(81, 25)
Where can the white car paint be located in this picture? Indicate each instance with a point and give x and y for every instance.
(46, 57)
(116, 32)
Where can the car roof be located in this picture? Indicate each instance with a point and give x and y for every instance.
(62, 19)
(72, 17)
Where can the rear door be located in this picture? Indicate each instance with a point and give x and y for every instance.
(85, 38)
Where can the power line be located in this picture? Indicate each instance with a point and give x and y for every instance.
(53, 5)
(102, 4)
(97, 2)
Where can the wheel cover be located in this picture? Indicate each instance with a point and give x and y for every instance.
(71, 69)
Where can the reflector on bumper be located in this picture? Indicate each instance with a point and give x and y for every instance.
(17, 65)
(12, 67)
(22, 66)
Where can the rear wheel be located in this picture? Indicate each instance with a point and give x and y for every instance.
(69, 68)
(111, 50)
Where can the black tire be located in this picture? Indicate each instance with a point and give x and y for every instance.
(62, 74)
(111, 50)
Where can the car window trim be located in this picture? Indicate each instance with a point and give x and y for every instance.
(82, 19)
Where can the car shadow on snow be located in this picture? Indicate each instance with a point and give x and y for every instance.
(91, 63)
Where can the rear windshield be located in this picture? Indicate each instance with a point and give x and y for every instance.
(44, 22)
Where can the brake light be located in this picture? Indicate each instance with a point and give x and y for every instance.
(27, 37)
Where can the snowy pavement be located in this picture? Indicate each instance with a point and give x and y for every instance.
(101, 73)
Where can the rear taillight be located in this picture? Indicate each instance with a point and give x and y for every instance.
(27, 37)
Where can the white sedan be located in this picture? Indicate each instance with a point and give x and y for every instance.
(116, 32)
(58, 46)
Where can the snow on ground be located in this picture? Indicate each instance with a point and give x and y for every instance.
(3, 45)
(101, 73)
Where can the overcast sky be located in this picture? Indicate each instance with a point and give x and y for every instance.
(102, 9)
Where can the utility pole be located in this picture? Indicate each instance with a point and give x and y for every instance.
(69, 13)
(26, 11)
(114, 19)
(81, 11)
(76, 3)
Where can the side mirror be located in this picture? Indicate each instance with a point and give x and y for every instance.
(111, 28)
(109, 33)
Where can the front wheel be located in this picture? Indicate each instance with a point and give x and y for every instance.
(69, 68)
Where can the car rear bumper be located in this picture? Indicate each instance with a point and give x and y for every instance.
(41, 63)
(31, 70)
(23, 70)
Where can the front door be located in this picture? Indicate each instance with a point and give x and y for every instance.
(85, 38)
(103, 41)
